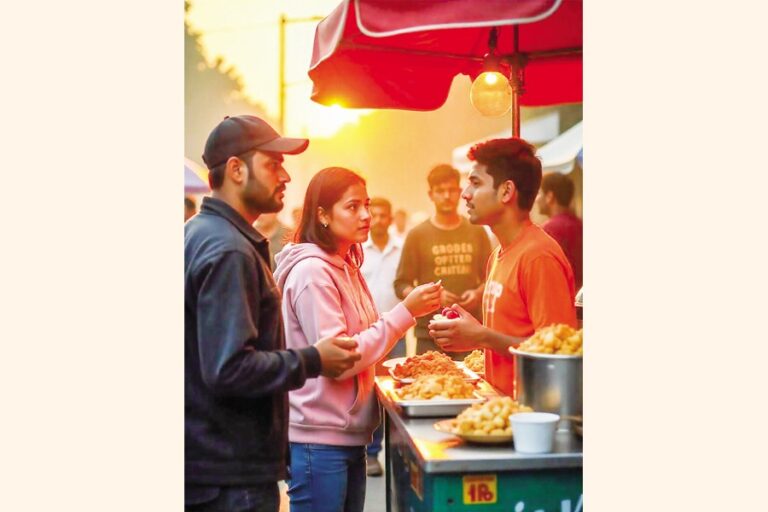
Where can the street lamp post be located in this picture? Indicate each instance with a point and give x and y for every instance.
(284, 20)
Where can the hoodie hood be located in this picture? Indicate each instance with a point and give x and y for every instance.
(291, 254)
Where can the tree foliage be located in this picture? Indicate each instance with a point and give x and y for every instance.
(210, 93)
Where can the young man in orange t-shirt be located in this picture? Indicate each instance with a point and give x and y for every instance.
(530, 282)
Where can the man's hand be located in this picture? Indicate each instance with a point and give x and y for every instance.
(337, 355)
(458, 335)
(447, 298)
(470, 298)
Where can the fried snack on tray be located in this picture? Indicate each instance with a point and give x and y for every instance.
(488, 418)
(428, 363)
(475, 361)
(427, 387)
(555, 339)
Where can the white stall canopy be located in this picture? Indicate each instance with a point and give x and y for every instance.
(559, 154)
(193, 183)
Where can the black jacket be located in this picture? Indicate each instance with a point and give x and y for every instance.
(236, 368)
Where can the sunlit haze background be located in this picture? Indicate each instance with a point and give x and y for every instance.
(232, 67)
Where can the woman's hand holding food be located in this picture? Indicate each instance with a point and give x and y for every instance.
(423, 299)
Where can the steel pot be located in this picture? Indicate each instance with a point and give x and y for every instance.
(550, 383)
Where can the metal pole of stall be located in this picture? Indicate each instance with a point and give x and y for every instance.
(517, 62)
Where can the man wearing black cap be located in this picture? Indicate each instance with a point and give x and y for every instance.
(237, 370)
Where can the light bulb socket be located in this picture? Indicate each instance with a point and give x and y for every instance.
(492, 62)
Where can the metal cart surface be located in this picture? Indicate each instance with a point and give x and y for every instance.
(427, 470)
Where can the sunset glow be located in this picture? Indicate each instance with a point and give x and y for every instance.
(322, 121)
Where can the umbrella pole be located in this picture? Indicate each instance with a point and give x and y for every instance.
(515, 113)
(517, 62)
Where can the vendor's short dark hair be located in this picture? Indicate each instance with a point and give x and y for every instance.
(560, 185)
(511, 159)
(442, 173)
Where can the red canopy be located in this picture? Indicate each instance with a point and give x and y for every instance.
(404, 53)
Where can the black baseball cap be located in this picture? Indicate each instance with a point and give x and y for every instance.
(239, 134)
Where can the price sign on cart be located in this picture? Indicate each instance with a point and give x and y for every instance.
(479, 489)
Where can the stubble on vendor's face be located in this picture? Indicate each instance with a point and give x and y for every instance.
(483, 204)
(267, 178)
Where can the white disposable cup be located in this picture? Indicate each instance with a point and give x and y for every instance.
(534, 432)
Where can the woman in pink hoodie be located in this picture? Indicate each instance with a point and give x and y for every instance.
(324, 294)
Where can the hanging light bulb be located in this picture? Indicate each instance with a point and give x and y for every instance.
(491, 94)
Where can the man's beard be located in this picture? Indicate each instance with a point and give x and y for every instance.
(256, 199)
(270, 204)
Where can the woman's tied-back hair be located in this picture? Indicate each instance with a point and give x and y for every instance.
(511, 159)
(325, 189)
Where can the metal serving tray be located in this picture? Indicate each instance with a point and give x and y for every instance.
(469, 375)
(433, 408)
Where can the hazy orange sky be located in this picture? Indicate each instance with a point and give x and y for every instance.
(393, 149)
(244, 33)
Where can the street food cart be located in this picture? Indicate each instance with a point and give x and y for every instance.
(427, 470)
(405, 55)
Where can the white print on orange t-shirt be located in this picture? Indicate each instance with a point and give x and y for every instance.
(493, 290)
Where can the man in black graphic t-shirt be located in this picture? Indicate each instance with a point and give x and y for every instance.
(445, 247)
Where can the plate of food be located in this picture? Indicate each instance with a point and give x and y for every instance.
(429, 363)
(554, 340)
(475, 362)
(391, 363)
(435, 395)
(484, 423)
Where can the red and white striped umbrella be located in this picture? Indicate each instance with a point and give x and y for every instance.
(403, 54)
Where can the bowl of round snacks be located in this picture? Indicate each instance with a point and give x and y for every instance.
(554, 340)
(548, 371)
(486, 423)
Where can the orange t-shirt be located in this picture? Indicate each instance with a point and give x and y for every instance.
(530, 285)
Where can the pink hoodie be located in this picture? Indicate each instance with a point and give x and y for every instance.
(323, 296)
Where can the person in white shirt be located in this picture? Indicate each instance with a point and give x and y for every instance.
(399, 227)
(381, 258)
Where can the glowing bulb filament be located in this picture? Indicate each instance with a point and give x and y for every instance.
(491, 94)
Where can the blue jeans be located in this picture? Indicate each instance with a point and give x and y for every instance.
(252, 498)
(374, 448)
(327, 478)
